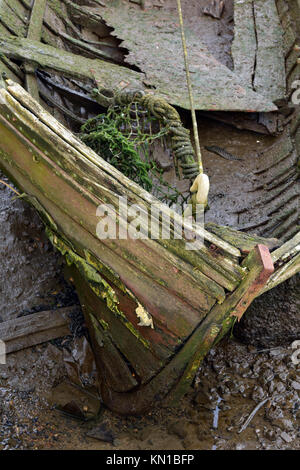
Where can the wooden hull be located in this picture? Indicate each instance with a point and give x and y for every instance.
(191, 297)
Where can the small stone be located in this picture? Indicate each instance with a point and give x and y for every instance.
(286, 437)
(280, 387)
(295, 385)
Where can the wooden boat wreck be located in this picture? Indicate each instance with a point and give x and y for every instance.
(153, 308)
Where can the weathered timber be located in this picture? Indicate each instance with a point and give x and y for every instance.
(12, 22)
(70, 145)
(114, 369)
(215, 86)
(142, 360)
(135, 402)
(24, 332)
(244, 45)
(104, 72)
(286, 271)
(242, 241)
(34, 33)
(288, 249)
(269, 77)
(46, 190)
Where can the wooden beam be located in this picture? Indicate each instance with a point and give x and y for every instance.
(24, 332)
(34, 33)
(119, 77)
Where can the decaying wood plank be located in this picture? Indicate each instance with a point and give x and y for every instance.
(270, 60)
(244, 45)
(24, 332)
(288, 249)
(12, 22)
(34, 33)
(260, 266)
(113, 367)
(70, 145)
(195, 347)
(215, 86)
(242, 241)
(286, 271)
(139, 355)
(118, 77)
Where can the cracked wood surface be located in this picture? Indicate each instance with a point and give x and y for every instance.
(153, 38)
(258, 47)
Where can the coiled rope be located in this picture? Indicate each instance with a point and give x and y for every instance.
(164, 113)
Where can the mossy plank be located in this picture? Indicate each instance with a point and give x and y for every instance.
(269, 77)
(34, 32)
(117, 76)
(215, 88)
(283, 273)
(141, 359)
(242, 241)
(195, 347)
(113, 367)
(244, 44)
(177, 314)
(11, 21)
(73, 146)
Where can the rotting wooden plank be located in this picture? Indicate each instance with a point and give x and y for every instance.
(24, 332)
(8, 72)
(113, 367)
(140, 356)
(71, 146)
(242, 241)
(11, 21)
(215, 86)
(118, 77)
(260, 267)
(177, 314)
(158, 388)
(244, 44)
(19, 9)
(286, 271)
(270, 59)
(34, 33)
(288, 249)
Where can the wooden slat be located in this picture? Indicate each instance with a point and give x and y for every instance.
(216, 87)
(140, 356)
(288, 249)
(112, 365)
(117, 76)
(242, 241)
(270, 60)
(260, 265)
(70, 146)
(195, 347)
(24, 332)
(286, 271)
(244, 44)
(34, 33)
(11, 21)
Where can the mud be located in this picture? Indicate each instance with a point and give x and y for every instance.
(233, 380)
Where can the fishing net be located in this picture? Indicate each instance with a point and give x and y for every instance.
(135, 128)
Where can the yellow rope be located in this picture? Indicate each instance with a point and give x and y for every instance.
(189, 85)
